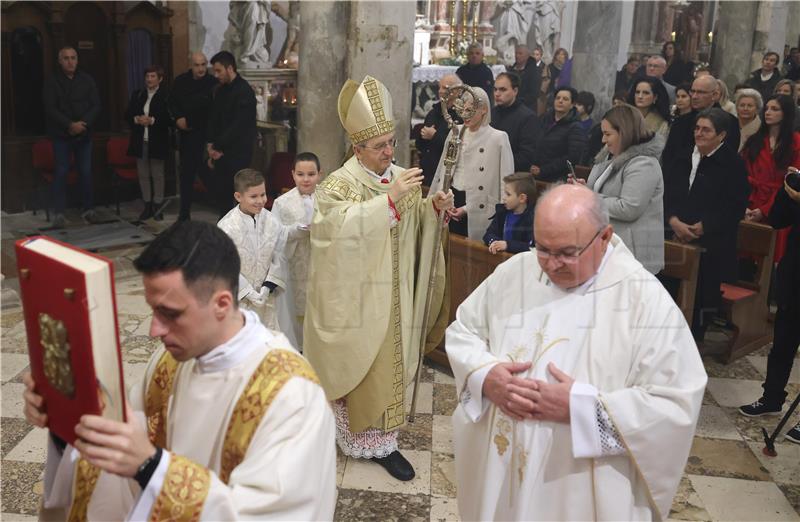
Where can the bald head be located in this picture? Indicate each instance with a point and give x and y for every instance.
(656, 66)
(448, 80)
(705, 92)
(199, 65)
(572, 232)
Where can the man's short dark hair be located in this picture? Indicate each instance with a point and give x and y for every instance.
(225, 59)
(717, 117)
(573, 93)
(586, 99)
(203, 253)
(512, 77)
(773, 53)
(307, 156)
(64, 48)
(155, 69)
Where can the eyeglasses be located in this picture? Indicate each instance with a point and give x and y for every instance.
(568, 256)
(381, 146)
(704, 130)
(697, 91)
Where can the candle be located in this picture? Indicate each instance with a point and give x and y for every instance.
(710, 36)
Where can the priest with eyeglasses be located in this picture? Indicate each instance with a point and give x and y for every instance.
(579, 382)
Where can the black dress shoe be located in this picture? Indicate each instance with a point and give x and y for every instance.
(397, 466)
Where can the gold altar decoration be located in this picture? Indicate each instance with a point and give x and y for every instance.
(57, 365)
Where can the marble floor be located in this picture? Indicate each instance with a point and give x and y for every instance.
(726, 477)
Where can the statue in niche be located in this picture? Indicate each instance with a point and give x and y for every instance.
(547, 26)
(692, 28)
(513, 22)
(249, 33)
(290, 12)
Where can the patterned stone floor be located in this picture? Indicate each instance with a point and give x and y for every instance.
(726, 478)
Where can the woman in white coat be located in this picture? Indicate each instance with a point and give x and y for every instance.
(485, 159)
(628, 178)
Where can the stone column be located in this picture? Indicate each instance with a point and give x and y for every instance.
(381, 45)
(770, 33)
(321, 73)
(595, 51)
(733, 41)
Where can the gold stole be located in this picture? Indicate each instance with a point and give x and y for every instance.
(187, 483)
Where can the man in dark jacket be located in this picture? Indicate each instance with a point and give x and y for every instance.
(71, 107)
(530, 76)
(190, 104)
(562, 139)
(515, 119)
(705, 196)
(626, 75)
(475, 73)
(149, 120)
(785, 212)
(433, 134)
(680, 141)
(231, 128)
(767, 77)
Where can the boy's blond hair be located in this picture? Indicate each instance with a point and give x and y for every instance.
(247, 178)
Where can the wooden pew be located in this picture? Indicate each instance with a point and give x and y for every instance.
(682, 262)
(744, 303)
(469, 262)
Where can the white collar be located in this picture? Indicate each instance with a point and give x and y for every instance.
(696, 151)
(151, 92)
(387, 174)
(246, 216)
(231, 353)
(583, 288)
(767, 77)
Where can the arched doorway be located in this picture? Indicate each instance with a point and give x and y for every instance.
(27, 78)
(86, 28)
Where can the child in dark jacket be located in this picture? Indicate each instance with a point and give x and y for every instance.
(511, 229)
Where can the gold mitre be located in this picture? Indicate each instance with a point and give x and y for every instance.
(365, 110)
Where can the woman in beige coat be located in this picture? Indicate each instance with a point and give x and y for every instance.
(484, 160)
(748, 107)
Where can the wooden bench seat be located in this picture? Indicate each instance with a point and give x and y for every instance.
(745, 303)
(682, 262)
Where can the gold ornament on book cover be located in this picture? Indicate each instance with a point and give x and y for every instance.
(57, 367)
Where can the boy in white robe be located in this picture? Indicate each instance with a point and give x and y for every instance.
(296, 209)
(579, 381)
(237, 426)
(260, 240)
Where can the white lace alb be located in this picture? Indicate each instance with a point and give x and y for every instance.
(365, 444)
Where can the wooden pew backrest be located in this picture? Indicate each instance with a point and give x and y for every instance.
(682, 262)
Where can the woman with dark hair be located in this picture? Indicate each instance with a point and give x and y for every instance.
(683, 100)
(705, 196)
(678, 71)
(554, 70)
(562, 140)
(768, 154)
(650, 97)
(789, 88)
(149, 118)
(584, 105)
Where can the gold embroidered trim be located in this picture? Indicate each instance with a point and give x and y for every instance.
(338, 187)
(275, 370)
(381, 126)
(157, 399)
(86, 477)
(650, 498)
(395, 413)
(183, 493)
(409, 201)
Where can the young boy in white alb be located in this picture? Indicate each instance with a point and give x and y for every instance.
(295, 209)
(260, 239)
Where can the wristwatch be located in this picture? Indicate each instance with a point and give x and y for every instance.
(147, 468)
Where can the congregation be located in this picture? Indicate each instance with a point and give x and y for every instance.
(299, 327)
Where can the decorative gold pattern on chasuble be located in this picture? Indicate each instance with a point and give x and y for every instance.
(57, 365)
(157, 398)
(395, 415)
(275, 370)
(341, 189)
(382, 126)
(86, 477)
(409, 201)
(184, 492)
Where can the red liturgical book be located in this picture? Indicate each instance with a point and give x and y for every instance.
(71, 322)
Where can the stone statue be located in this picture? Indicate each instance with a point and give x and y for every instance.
(513, 22)
(547, 26)
(249, 33)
